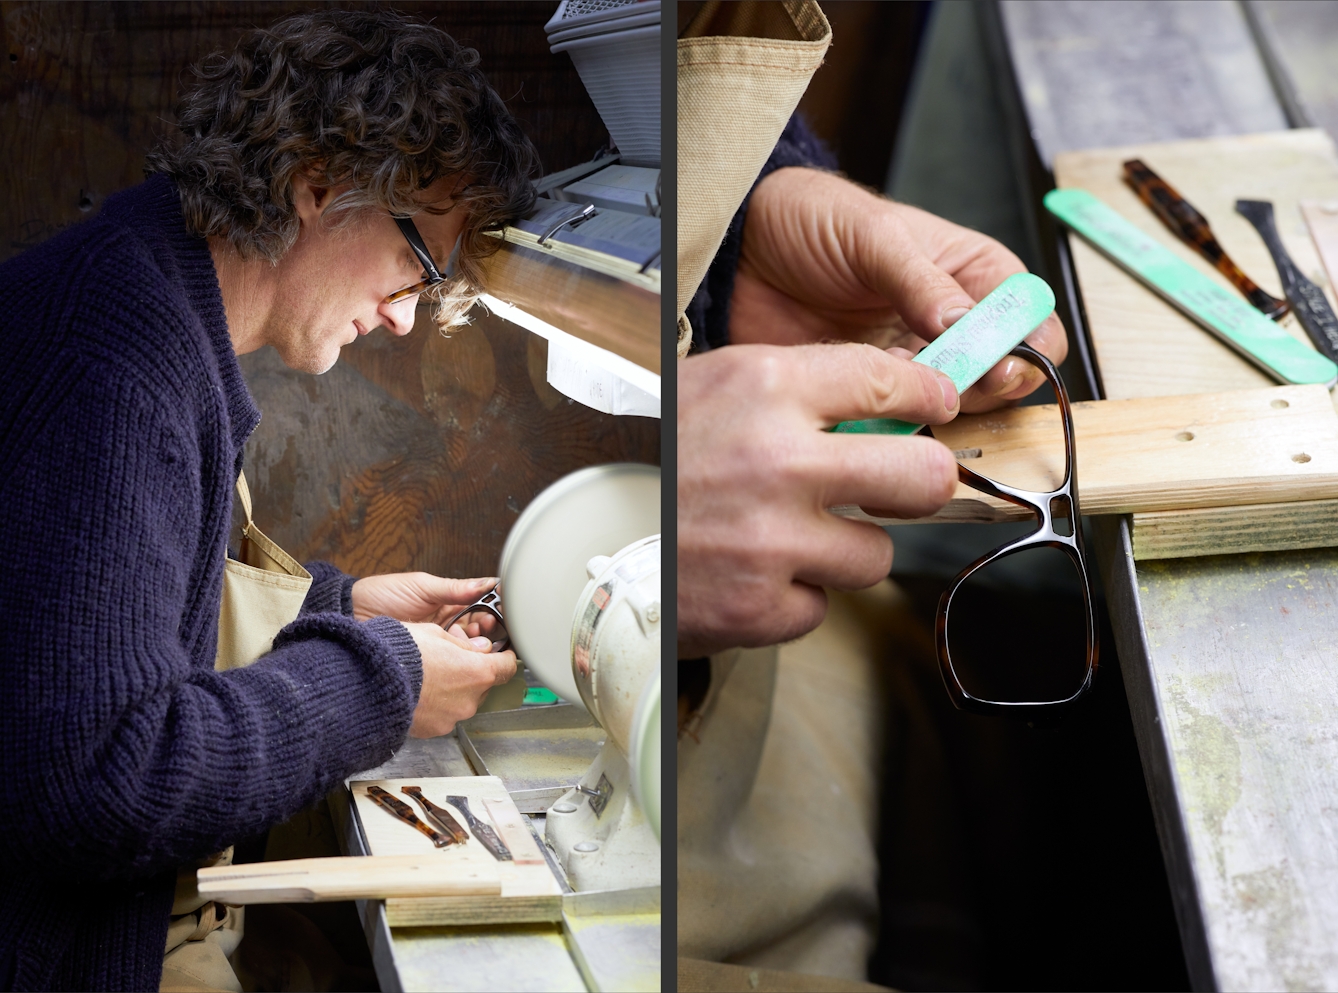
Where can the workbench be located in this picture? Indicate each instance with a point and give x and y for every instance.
(607, 940)
(1229, 661)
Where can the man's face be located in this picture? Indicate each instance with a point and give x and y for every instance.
(332, 284)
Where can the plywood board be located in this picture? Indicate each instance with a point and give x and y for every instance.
(529, 890)
(1143, 346)
(1242, 448)
(1270, 527)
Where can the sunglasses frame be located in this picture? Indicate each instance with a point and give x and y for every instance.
(1043, 505)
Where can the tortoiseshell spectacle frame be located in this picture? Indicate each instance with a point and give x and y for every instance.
(398, 808)
(1191, 227)
(431, 274)
(1059, 503)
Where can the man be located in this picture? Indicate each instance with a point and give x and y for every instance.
(276, 216)
(822, 292)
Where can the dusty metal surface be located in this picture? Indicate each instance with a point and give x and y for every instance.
(538, 752)
(1229, 661)
(607, 941)
(1245, 670)
(615, 937)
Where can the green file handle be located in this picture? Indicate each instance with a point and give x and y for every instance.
(980, 338)
(1216, 308)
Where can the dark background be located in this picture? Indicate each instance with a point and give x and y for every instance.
(413, 453)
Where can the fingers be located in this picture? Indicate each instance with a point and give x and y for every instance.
(756, 615)
(453, 591)
(456, 678)
(461, 637)
(911, 476)
(852, 382)
(1014, 378)
(887, 258)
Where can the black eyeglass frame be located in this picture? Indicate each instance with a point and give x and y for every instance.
(491, 603)
(1043, 505)
(415, 240)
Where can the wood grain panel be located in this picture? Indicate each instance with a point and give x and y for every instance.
(1242, 448)
(420, 452)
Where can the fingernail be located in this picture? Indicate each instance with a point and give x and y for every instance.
(490, 581)
(949, 389)
(1010, 385)
(953, 315)
(480, 643)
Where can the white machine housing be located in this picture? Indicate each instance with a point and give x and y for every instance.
(588, 540)
(600, 830)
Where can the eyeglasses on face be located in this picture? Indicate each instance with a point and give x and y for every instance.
(1060, 504)
(431, 275)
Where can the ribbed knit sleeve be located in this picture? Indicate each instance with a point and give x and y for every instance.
(708, 311)
(331, 590)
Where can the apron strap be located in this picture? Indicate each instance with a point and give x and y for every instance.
(244, 492)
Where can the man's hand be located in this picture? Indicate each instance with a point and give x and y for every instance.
(756, 473)
(824, 259)
(417, 598)
(457, 674)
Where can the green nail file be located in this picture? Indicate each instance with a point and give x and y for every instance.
(974, 345)
(1210, 304)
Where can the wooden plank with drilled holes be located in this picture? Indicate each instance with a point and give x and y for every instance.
(1242, 452)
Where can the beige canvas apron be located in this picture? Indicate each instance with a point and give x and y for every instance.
(790, 729)
(262, 593)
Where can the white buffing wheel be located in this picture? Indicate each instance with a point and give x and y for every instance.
(594, 511)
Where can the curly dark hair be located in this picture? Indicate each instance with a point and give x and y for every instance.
(375, 99)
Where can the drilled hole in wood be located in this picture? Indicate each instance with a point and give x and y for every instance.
(1279, 404)
(967, 453)
(1303, 457)
(1185, 436)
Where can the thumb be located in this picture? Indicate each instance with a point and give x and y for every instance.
(439, 589)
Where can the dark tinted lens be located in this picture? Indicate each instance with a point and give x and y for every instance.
(480, 623)
(1017, 629)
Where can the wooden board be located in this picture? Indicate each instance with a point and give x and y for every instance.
(1144, 347)
(325, 879)
(1276, 445)
(1321, 218)
(602, 309)
(1270, 527)
(529, 890)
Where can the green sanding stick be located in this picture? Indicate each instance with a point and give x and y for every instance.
(1210, 304)
(980, 338)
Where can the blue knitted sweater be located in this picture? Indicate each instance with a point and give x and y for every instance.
(124, 754)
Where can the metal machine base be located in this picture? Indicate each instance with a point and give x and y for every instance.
(598, 832)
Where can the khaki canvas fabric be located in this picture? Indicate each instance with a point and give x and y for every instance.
(778, 796)
(200, 937)
(742, 68)
(262, 594)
